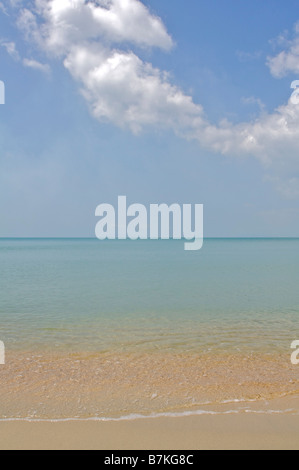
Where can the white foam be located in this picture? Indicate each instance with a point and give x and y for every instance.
(134, 417)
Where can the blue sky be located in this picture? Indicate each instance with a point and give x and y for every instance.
(158, 101)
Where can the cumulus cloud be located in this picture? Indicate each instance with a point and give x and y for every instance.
(65, 22)
(265, 137)
(117, 84)
(123, 89)
(97, 40)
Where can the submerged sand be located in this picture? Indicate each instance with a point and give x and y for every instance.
(114, 385)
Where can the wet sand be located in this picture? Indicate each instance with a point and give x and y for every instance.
(233, 432)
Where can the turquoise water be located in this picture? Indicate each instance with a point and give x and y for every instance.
(87, 295)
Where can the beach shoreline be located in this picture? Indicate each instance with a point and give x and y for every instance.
(60, 402)
(219, 432)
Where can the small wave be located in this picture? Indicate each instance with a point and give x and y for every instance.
(135, 417)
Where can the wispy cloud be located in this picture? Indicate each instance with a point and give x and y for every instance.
(10, 48)
(248, 56)
(34, 64)
(2, 8)
(252, 100)
(287, 60)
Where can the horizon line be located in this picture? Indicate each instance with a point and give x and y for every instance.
(160, 239)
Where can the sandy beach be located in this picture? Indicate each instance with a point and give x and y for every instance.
(90, 364)
(186, 403)
(232, 432)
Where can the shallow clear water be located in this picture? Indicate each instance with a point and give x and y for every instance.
(86, 295)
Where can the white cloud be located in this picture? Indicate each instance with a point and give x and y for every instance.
(265, 137)
(66, 22)
(286, 61)
(92, 38)
(10, 48)
(252, 100)
(248, 56)
(34, 64)
(123, 89)
(16, 3)
(2, 8)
